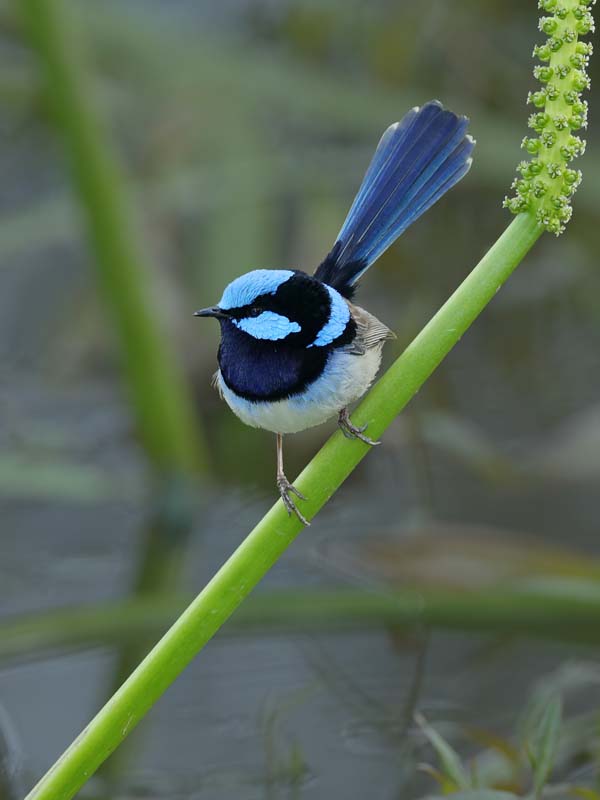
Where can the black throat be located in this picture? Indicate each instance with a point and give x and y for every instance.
(266, 371)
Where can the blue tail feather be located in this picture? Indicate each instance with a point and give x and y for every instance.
(422, 195)
(417, 161)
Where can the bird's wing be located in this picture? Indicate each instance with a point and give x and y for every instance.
(370, 332)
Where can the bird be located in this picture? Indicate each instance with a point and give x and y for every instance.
(295, 349)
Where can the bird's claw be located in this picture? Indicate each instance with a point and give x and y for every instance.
(352, 431)
(285, 489)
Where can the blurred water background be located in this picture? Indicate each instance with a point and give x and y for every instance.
(243, 129)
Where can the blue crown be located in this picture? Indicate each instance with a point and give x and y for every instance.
(245, 289)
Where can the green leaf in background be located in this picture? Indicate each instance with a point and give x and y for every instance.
(499, 763)
(451, 766)
(571, 677)
(543, 744)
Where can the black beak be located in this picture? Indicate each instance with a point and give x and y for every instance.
(215, 311)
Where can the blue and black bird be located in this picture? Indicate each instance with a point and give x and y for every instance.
(295, 350)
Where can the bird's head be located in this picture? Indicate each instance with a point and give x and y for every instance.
(282, 305)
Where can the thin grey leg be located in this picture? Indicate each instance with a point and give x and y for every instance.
(285, 487)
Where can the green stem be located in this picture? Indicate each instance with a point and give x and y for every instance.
(276, 531)
(162, 405)
(555, 616)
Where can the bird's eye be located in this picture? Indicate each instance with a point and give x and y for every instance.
(255, 311)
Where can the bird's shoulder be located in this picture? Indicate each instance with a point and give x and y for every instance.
(370, 332)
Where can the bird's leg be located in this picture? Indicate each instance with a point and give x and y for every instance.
(285, 487)
(352, 431)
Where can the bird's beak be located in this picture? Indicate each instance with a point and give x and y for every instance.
(214, 311)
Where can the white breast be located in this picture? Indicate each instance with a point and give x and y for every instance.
(346, 377)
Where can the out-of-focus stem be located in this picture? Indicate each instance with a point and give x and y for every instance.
(163, 409)
(554, 616)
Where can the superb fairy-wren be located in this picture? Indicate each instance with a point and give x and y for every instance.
(295, 350)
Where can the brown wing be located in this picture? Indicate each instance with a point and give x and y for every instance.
(370, 332)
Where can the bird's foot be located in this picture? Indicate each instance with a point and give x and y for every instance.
(352, 431)
(285, 490)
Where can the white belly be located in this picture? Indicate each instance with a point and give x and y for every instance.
(346, 378)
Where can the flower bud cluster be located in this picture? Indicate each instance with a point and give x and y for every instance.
(547, 183)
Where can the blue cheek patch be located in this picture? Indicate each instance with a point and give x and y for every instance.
(267, 325)
(338, 319)
(245, 289)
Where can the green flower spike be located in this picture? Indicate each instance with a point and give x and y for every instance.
(547, 183)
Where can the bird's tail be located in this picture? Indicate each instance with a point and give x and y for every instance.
(417, 160)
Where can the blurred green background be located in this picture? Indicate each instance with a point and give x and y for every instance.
(241, 131)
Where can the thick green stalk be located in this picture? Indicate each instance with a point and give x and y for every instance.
(276, 531)
(162, 405)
